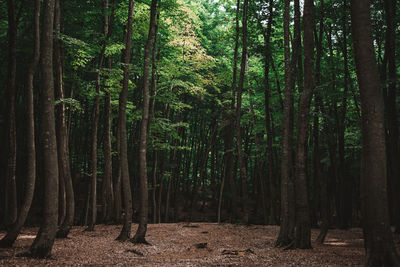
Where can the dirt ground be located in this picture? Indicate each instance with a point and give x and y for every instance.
(196, 244)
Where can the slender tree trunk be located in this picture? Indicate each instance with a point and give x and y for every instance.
(9, 239)
(379, 245)
(117, 181)
(391, 110)
(230, 129)
(60, 114)
(11, 212)
(108, 197)
(66, 190)
(123, 157)
(286, 232)
(267, 58)
(143, 217)
(317, 174)
(107, 186)
(43, 242)
(154, 191)
(242, 165)
(303, 224)
(344, 196)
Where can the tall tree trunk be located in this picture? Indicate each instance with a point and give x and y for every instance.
(107, 186)
(391, 110)
(344, 201)
(9, 239)
(303, 224)
(267, 58)
(95, 121)
(230, 129)
(43, 243)
(286, 232)
(144, 198)
(379, 245)
(11, 212)
(66, 196)
(123, 157)
(317, 173)
(242, 165)
(60, 114)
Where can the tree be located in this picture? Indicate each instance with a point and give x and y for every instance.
(123, 146)
(144, 194)
(380, 249)
(11, 212)
(391, 96)
(303, 225)
(12, 234)
(286, 231)
(242, 166)
(44, 240)
(66, 197)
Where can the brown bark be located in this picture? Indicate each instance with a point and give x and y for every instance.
(66, 197)
(107, 185)
(95, 121)
(123, 156)
(9, 239)
(391, 110)
(230, 129)
(286, 233)
(43, 242)
(267, 59)
(143, 216)
(11, 212)
(344, 201)
(60, 113)
(379, 245)
(242, 165)
(303, 224)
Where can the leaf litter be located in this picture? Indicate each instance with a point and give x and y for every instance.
(176, 244)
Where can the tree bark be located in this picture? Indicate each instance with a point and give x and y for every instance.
(391, 110)
(230, 129)
(95, 120)
(303, 224)
(11, 212)
(286, 232)
(144, 198)
(66, 192)
(9, 239)
(242, 165)
(123, 157)
(379, 245)
(43, 243)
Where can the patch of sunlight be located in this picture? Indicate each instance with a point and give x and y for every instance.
(27, 236)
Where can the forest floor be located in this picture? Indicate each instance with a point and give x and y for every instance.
(196, 244)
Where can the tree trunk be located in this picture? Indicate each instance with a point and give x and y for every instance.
(379, 245)
(303, 224)
(143, 217)
(43, 243)
(267, 58)
(9, 239)
(230, 129)
(66, 189)
(60, 114)
(286, 232)
(11, 212)
(242, 165)
(393, 132)
(344, 196)
(123, 157)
